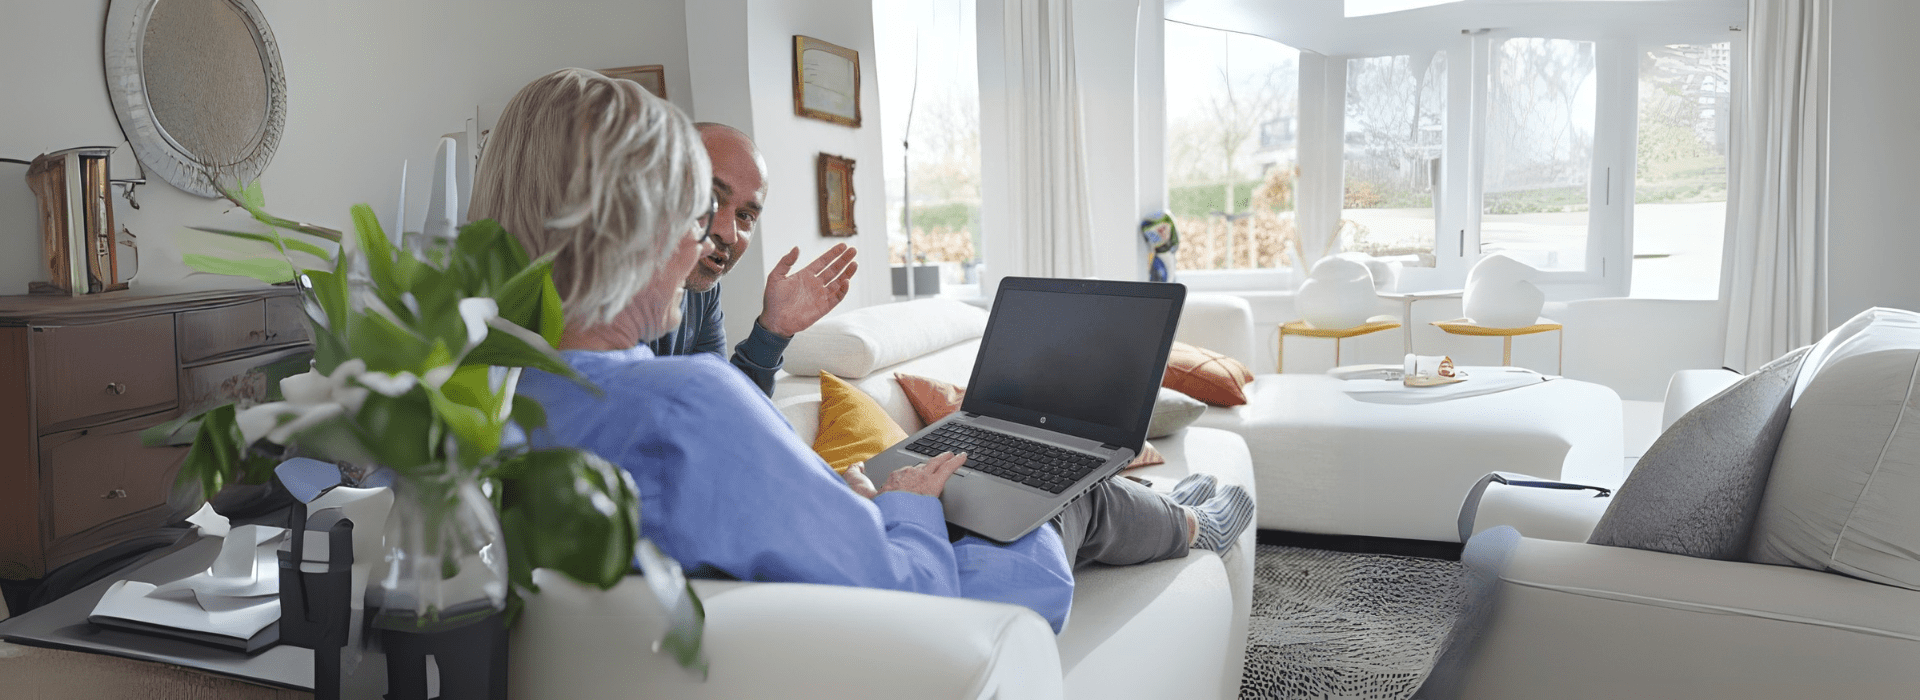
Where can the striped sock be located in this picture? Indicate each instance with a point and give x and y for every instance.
(1194, 490)
(1222, 518)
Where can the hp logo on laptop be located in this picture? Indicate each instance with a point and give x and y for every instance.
(1043, 419)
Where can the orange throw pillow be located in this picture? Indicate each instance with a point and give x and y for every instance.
(853, 428)
(1206, 375)
(933, 399)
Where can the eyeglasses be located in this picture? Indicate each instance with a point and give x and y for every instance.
(713, 213)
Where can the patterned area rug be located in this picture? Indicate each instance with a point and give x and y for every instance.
(1332, 625)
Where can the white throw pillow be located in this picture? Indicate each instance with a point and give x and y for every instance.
(1172, 411)
(1847, 475)
(854, 344)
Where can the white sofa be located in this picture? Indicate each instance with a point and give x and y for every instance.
(1170, 629)
(1567, 619)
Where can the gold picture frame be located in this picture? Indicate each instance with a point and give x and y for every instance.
(826, 81)
(652, 77)
(836, 196)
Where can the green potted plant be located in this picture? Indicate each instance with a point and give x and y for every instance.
(417, 348)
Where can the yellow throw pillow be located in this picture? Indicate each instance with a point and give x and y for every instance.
(852, 427)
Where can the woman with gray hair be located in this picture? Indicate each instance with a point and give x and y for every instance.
(614, 182)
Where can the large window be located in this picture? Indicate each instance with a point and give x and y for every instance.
(1396, 110)
(1232, 148)
(1680, 196)
(1590, 143)
(930, 121)
(1539, 152)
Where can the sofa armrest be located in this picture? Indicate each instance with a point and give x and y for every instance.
(803, 413)
(1690, 388)
(1538, 508)
(1222, 323)
(783, 640)
(1571, 620)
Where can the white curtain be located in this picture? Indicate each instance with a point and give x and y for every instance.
(1046, 155)
(1776, 279)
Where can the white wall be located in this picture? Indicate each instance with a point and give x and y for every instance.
(370, 83)
(744, 48)
(1875, 148)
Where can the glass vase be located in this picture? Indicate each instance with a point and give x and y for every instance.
(446, 563)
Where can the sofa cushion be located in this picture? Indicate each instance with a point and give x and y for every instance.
(932, 399)
(854, 344)
(1847, 474)
(852, 427)
(1206, 375)
(1173, 411)
(1696, 490)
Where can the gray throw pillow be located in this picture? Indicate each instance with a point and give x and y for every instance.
(1172, 411)
(1697, 490)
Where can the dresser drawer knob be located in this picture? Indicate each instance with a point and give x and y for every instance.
(116, 388)
(116, 493)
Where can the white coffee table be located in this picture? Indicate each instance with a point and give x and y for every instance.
(1327, 463)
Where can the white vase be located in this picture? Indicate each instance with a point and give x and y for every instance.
(1338, 293)
(1500, 293)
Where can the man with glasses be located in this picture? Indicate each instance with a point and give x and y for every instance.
(793, 300)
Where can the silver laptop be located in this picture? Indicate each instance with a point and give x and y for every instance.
(1062, 391)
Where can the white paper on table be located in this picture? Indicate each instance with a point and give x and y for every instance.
(248, 566)
(130, 600)
(211, 524)
(236, 597)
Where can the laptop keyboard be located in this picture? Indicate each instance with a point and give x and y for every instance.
(1035, 464)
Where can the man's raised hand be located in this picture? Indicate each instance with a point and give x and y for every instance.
(795, 300)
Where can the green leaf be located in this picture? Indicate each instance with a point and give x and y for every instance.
(472, 431)
(330, 292)
(572, 512)
(252, 197)
(277, 240)
(269, 270)
(525, 301)
(379, 251)
(508, 345)
(398, 431)
(385, 345)
(214, 459)
(529, 413)
(329, 352)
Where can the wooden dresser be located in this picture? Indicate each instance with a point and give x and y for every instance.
(81, 377)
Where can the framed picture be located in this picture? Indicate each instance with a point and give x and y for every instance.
(826, 81)
(836, 196)
(653, 78)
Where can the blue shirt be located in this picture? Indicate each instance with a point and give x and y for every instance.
(703, 330)
(727, 488)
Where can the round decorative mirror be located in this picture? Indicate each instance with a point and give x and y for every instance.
(198, 88)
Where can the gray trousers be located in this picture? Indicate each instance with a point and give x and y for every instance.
(1121, 522)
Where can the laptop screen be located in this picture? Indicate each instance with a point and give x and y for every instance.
(1081, 357)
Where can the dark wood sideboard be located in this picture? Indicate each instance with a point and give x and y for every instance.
(80, 377)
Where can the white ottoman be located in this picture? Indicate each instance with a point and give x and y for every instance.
(1327, 463)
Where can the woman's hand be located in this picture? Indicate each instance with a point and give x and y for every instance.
(928, 478)
(856, 476)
